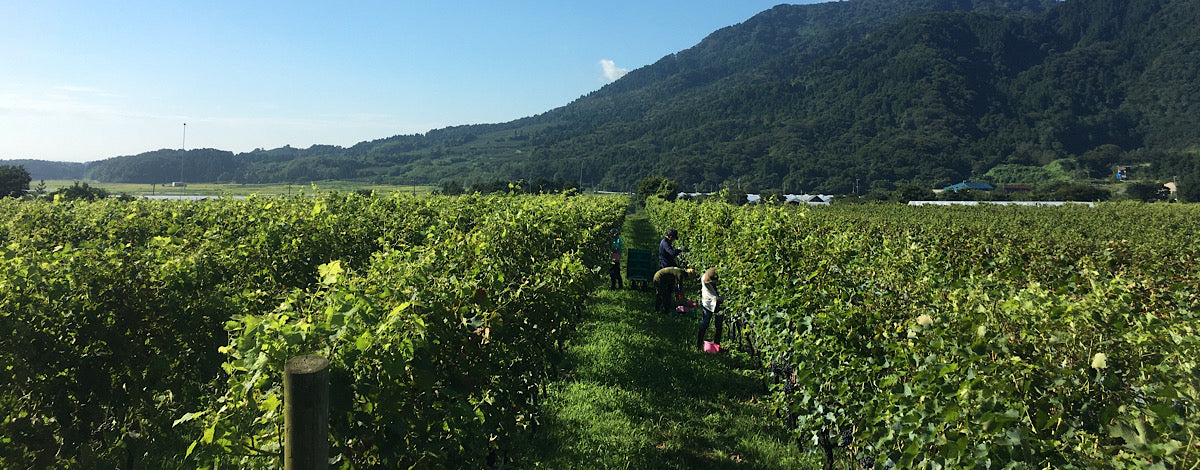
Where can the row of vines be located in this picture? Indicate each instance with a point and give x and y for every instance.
(981, 337)
(154, 333)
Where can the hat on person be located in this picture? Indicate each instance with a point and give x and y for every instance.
(672, 234)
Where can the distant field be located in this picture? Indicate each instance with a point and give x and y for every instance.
(212, 189)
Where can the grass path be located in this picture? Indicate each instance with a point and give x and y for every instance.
(636, 394)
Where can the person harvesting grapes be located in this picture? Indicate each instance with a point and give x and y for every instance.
(665, 282)
(712, 303)
(614, 271)
(667, 253)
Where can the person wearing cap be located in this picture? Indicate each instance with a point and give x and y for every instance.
(667, 251)
(712, 303)
(614, 271)
(665, 282)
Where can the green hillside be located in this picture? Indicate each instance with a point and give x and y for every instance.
(816, 97)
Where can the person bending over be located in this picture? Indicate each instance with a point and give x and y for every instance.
(665, 281)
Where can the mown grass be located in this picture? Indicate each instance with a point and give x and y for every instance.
(637, 394)
(638, 233)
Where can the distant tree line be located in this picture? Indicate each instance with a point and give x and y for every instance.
(48, 170)
(14, 182)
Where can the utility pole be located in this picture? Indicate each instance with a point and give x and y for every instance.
(183, 148)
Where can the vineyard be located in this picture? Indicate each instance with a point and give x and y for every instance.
(153, 334)
(968, 337)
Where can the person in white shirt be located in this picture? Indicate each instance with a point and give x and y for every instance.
(712, 303)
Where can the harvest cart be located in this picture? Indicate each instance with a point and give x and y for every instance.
(640, 267)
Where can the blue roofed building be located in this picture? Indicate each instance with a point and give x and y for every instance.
(969, 185)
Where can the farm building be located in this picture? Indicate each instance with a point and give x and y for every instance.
(811, 199)
(969, 185)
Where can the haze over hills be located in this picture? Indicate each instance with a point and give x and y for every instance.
(819, 98)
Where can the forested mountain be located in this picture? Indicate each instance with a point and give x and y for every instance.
(162, 166)
(819, 98)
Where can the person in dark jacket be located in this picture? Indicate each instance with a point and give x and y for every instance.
(667, 251)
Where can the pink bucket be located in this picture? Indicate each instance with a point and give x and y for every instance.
(711, 347)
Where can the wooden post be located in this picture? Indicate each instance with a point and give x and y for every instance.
(306, 413)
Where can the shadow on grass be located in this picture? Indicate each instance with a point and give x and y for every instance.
(638, 395)
(638, 233)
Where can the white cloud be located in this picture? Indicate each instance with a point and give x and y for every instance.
(78, 89)
(611, 71)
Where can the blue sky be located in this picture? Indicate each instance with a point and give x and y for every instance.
(88, 80)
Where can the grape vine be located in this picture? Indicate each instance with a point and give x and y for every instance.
(153, 333)
(965, 337)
